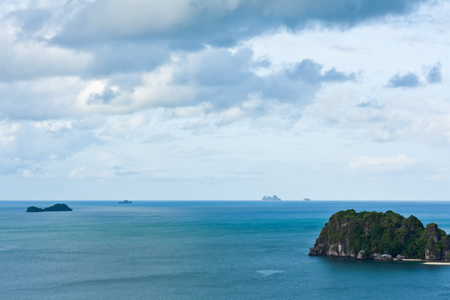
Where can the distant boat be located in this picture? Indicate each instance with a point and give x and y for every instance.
(306, 200)
(125, 201)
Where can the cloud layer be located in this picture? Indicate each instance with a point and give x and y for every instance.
(210, 97)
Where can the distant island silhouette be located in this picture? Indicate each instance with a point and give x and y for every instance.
(56, 207)
(273, 198)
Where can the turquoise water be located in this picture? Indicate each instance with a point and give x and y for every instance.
(200, 250)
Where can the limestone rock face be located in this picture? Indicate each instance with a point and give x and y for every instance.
(334, 240)
(437, 243)
(361, 254)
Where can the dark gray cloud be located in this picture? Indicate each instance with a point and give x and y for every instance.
(225, 79)
(189, 25)
(372, 103)
(126, 57)
(107, 37)
(31, 20)
(435, 74)
(220, 68)
(105, 98)
(311, 72)
(409, 80)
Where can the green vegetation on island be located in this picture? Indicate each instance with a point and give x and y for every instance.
(369, 235)
(56, 207)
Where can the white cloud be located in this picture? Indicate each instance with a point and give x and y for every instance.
(382, 164)
(25, 60)
(53, 126)
(231, 115)
(8, 132)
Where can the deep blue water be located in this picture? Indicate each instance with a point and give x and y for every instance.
(200, 250)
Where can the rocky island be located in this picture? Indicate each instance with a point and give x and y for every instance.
(56, 207)
(381, 236)
(273, 198)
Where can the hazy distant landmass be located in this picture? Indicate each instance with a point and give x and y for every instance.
(374, 235)
(56, 207)
(125, 201)
(306, 200)
(268, 198)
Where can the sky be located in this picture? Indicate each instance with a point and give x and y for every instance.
(224, 99)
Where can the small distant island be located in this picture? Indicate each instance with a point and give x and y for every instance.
(125, 201)
(306, 200)
(381, 236)
(268, 198)
(56, 207)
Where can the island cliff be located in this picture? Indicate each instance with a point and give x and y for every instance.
(374, 235)
(56, 207)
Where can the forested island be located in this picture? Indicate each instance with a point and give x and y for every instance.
(377, 235)
(56, 207)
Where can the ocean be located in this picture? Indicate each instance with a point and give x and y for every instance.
(200, 250)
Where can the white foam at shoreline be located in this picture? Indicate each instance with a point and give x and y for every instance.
(437, 263)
